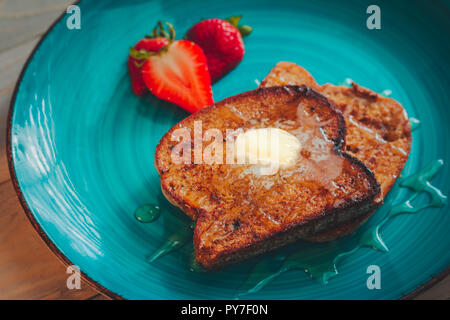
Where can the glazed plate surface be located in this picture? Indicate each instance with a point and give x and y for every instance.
(82, 145)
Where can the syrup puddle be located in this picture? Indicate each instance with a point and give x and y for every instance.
(147, 213)
(174, 242)
(415, 123)
(323, 267)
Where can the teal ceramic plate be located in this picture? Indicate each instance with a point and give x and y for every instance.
(82, 145)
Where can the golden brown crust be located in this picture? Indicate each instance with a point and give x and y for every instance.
(287, 73)
(240, 214)
(378, 130)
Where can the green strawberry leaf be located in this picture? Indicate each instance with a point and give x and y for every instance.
(234, 20)
(245, 30)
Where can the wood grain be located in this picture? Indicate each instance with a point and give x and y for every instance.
(24, 20)
(28, 269)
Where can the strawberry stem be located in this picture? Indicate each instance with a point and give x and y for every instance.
(171, 30)
(160, 32)
(141, 54)
(243, 29)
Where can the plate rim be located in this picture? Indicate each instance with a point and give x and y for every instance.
(52, 246)
(37, 227)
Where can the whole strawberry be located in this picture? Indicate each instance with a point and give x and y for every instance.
(221, 41)
(151, 43)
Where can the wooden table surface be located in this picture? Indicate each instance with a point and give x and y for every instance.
(28, 269)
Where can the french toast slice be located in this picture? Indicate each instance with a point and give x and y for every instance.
(378, 130)
(241, 213)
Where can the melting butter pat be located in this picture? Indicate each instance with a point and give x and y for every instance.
(267, 146)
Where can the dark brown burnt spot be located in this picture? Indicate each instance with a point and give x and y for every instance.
(236, 224)
(364, 93)
(305, 154)
(351, 148)
(214, 197)
(323, 191)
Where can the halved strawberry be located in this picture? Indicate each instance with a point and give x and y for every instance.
(179, 74)
(151, 43)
